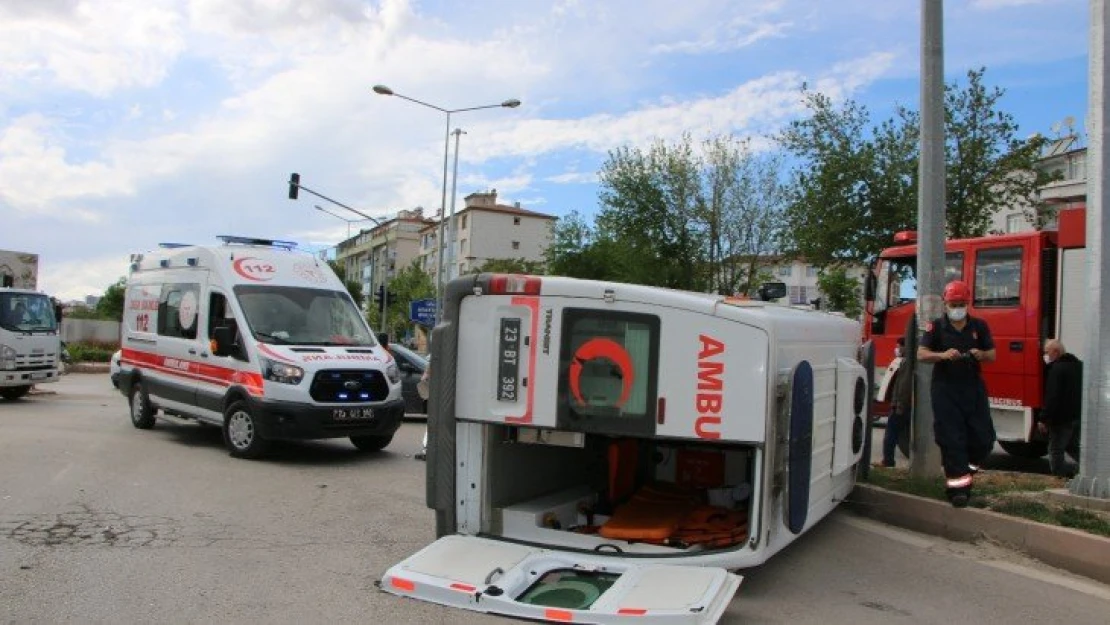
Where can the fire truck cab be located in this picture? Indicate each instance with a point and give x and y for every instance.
(1027, 286)
(605, 453)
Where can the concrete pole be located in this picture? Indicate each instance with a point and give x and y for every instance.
(1093, 479)
(442, 216)
(925, 458)
(451, 220)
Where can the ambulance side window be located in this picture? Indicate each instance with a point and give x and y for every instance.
(177, 310)
(220, 315)
(608, 371)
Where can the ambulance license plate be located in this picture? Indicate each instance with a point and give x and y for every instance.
(352, 414)
(508, 359)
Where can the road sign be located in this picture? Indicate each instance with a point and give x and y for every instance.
(423, 311)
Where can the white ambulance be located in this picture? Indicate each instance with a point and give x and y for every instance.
(257, 338)
(607, 453)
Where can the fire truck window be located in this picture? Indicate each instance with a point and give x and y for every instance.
(903, 281)
(953, 266)
(998, 278)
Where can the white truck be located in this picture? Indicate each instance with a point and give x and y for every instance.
(608, 453)
(30, 343)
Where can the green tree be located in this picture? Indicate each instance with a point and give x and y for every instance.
(856, 184)
(511, 265)
(577, 251)
(841, 291)
(110, 305)
(354, 287)
(410, 284)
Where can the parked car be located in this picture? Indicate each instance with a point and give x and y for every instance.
(412, 366)
(113, 368)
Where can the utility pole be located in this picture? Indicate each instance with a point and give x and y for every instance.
(1093, 479)
(451, 226)
(925, 458)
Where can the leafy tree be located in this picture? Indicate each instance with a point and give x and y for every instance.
(110, 305)
(857, 185)
(841, 291)
(511, 265)
(696, 217)
(410, 284)
(578, 252)
(354, 287)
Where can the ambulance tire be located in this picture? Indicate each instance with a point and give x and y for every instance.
(13, 393)
(241, 435)
(142, 414)
(372, 442)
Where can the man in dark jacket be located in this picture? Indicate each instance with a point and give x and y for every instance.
(1063, 404)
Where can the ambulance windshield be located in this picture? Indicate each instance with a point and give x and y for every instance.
(283, 315)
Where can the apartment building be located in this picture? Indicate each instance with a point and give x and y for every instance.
(1063, 157)
(374, 255)
(486, 230)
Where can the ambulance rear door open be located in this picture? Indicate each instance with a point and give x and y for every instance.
(527, 582)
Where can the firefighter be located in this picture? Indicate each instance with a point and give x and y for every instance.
(962, 425)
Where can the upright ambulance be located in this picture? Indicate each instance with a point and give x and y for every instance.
(607, 453)
(259, 339)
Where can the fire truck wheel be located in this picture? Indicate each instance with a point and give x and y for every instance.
(241, 433)
(372, 443)
(142, 415)
(1033, 449)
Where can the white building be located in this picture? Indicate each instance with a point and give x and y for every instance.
(1069, 192)
(486, 230)
(375, 255)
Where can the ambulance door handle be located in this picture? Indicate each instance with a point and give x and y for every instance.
(192, 351)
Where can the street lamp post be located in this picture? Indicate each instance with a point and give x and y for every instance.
(451, 220)
(512, 103)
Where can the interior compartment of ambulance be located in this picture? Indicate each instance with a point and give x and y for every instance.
(619, 495)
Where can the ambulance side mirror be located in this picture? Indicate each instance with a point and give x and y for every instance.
(223, 341)
(772, 290)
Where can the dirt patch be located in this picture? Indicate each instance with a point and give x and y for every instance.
(1011, 493)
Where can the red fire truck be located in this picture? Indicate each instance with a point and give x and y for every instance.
(1028, 286)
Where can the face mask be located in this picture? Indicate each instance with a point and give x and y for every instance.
(897, 352)
(957, 314)
(1047, 360)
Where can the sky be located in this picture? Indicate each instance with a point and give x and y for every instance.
(128, 123)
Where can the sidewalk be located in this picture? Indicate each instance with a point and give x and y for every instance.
(1072, 550)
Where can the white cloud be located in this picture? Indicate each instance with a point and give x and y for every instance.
(990, 5)
(574, 177)
(74, 279)
(92, 46)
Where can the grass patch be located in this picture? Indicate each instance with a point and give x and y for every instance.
(91, 351)
(1013, 494)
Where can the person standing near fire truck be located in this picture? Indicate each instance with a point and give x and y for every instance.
(962, 424)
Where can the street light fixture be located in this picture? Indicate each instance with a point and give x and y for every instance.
(511, 104)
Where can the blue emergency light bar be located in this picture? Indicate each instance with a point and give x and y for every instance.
(228, 239)
(172, 246)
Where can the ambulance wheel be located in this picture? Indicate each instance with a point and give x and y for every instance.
(241, 433)
(1033, 449)
(142, 414)
(13, 393)
(372, 442)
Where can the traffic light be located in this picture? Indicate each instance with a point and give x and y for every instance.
(379, 294)
(294, 185)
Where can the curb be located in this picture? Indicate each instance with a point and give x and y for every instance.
(88, 367)
(1072, 550)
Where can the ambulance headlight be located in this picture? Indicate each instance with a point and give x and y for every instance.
(393, 373)
(278, 371)
(7, 357)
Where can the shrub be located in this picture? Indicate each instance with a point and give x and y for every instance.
(93, 351)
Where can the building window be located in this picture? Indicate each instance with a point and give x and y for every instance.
(463, 247)
(1014, 222)
(463, 226)
(516, 245)
(784, 271)
(811, 271)
(516, 221)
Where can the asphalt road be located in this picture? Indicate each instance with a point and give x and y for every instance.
(102, 523)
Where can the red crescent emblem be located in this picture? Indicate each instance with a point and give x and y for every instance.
(611, 351)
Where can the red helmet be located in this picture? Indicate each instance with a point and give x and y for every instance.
(957, 291)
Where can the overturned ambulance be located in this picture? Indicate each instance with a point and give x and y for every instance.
(603, 452)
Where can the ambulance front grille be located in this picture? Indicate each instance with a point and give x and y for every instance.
(348, 386)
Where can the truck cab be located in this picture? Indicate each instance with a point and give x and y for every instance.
(30, 344)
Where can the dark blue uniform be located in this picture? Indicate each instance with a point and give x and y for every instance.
(962, 422)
